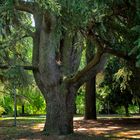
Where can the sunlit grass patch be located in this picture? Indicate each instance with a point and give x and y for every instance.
(105, 127)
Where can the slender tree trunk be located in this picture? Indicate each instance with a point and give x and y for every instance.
(90, 100)
(126, 110)
(15, 107)
(75, 108)
(139, 107)
(22, 109)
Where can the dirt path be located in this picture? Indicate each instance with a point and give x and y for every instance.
(115, 129)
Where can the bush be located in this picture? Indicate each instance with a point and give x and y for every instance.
(80, 101)
(1, 110)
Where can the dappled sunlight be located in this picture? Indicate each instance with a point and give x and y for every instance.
(38, 127)
(129, 134)
(116, 128)
(31, 127)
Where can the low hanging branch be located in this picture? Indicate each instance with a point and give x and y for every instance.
(24, 6)
(97, 63)
(4, 67)
(108, 47)
(119, 54)
(89, 66)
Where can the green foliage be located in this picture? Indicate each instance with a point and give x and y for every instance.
(83, 60)
(7, 104)
(80, 101)
(1, 110)
(120, 110)
(30, 97)
(36, 104)
(115, 87)
(51, 5)
(122, 77)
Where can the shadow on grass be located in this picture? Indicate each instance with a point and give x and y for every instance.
(30, 128)
(112, 128)
(74, 136)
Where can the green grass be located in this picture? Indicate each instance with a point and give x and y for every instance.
(31, 127)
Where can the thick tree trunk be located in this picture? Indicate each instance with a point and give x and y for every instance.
(57, 73)
(52, 71)
(90, 100)
(60, 110)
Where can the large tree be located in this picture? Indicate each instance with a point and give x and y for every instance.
(57, 46)
(56, 57)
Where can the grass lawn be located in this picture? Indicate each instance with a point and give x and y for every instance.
(106, 127)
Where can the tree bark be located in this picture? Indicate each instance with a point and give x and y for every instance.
(138, 107)
(90, 93)
(22, 109)
(126, 110)
(60, 110)
(90, 100)
(52, 72)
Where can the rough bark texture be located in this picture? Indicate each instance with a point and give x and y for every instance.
(60, 108)
(52, 71)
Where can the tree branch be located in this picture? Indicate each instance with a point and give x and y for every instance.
(117, 53)
(11, 42)
(97, 63)
(90, 70)
(108, 47)
(4, 67)
(24, 6)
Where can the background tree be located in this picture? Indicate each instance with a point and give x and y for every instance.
(90, 88)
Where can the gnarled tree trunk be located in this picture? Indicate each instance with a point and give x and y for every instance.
(57, 58)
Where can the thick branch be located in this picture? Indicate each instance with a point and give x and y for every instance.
(24, 6)
(4, 67)
(117, 53)
(108, 47)
(92, 67)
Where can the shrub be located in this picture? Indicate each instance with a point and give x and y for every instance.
(1, 110)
